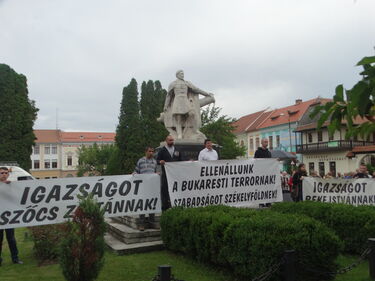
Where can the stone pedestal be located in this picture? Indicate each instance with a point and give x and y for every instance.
(123, 236)
(189, 149)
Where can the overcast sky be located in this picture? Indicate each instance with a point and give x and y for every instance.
(79, 54)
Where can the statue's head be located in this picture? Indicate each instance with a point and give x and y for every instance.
(180, 74)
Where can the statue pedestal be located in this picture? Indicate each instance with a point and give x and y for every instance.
(189, 149)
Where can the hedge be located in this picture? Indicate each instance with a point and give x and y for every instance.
(353, 225)
(249, 242)
(46, 240)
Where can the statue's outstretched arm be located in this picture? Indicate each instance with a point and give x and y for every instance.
(198, 91)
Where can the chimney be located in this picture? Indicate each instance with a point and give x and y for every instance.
(298, 101)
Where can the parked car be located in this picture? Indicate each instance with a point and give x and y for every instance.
(18, 174)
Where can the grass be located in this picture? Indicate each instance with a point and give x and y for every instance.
(136, 267)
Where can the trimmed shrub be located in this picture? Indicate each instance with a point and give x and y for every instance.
(353, 225)
(82, 248)
(46, 240)
(249, 241)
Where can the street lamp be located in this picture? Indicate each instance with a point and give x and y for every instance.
(290, 131)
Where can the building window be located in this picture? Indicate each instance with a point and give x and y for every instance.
(54, 149)
(251, 144)
(309, 135)
(47, 178)
(331, 137)
(311, 168)
(36, 149)
(270, 143)
(47, 164)
(320, 136)
(257, 143)
(47, 149)
(277, 141)
(321, 169)
(54, 163)
(332, 168)
(69, 161)
(36, 164)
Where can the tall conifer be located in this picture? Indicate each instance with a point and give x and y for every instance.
(17, 115)
(129, 132)
(152, 102)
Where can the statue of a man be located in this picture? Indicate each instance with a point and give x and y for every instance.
(181, 114)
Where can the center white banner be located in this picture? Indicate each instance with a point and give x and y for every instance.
(239, 183)
(38, 202)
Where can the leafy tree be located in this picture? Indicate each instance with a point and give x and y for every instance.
(129, 137)
(17, 115)
(220, 130)
(347, 105)
(93, 160)
(82, 248)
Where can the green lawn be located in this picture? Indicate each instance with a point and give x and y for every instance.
(137, 267)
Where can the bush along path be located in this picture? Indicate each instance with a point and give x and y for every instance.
(251, 243)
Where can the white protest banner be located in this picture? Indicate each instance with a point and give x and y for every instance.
(229, 182)
(38, 202)
(349, 191)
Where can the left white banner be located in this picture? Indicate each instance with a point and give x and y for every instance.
(241, 183)
(38, 202)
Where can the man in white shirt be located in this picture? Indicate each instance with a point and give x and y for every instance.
(208, 153)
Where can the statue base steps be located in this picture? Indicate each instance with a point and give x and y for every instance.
(123, 237)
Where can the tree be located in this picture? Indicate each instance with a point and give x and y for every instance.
(93, 160)
(18, 114)
(151, 105)
(129, 137)
(347, 105)
(220, 130)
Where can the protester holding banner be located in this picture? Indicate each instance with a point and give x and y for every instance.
(263, 152)
(297, 182)
(362, 173)
(167, 154)
(146, 165)
(4, 174)
(208, 153)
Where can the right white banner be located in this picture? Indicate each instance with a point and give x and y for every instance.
(349, 191)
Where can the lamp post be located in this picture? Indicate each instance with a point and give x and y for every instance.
(290, 131)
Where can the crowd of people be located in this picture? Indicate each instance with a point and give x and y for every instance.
(168, 153)
(293, 183)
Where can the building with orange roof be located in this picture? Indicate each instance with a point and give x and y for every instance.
(279, 127)
(55, 153)
(276, 125)
(324, 153)
(246, 130)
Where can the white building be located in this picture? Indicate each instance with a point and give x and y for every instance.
(323, 153)
(55, 153)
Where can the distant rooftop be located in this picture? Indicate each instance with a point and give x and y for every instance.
(58, 136)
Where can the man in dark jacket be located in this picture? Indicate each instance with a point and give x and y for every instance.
(263, 152)
(167, 154)
(362, 173)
